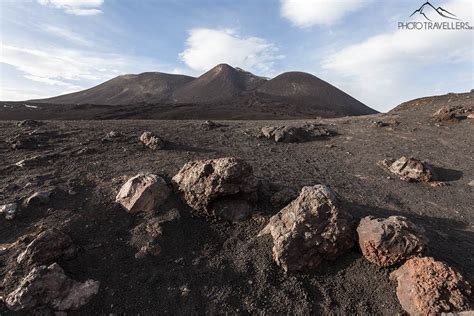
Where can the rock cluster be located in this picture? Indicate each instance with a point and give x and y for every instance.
(390, 241)
(410, 169)
(430, 287)
(293, 134)
(451, 113)
(152, 141)
(310, 229)
(48, 286)
(224, 187)
(143, 192)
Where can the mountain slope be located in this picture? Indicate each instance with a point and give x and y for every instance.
(148, 87)
(304, 89)
(222, 82)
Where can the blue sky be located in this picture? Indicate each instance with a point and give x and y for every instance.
(50, 47)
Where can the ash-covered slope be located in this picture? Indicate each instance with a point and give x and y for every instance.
(222, 82)
(310, 92)
(148, 87)
(223, 92)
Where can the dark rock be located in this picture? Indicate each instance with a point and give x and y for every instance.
(310, 229)
(390, 241)
(208, 185)
(29, 123)
(146, 237)
(38, 198)
(430, 287)
(48, 286)
(282, 197)
(47, 247)
(208, 125)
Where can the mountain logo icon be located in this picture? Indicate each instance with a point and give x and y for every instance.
(428, 7)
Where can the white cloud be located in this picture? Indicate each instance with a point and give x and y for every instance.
(305, 13)
(66, 34)
(384, 69)
(207, 48)
(68, 70)
(76, 7)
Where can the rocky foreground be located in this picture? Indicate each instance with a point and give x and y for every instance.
(365, 215)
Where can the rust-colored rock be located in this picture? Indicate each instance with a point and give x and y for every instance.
(390, 241)
(143, 192)
(310, 229)
(430, 287)
(224, 187)
(48, 286)
(410, 169)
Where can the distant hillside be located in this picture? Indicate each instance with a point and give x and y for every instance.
(148, 87)
(225, 91)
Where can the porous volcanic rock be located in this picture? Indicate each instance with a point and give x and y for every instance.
(143, 192)
(47, 247)
(293, 134)
(390, 241)
(310, 229)
(282, 197)
(224, 187)
(48, 286)
(430, 287)
(38, 198)
(410, 169)
(208, 125)
(152, 141)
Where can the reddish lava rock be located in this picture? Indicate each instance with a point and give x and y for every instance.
(410, 169)
(430, 287)
(390, 241)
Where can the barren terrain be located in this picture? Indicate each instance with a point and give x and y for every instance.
(208, 265)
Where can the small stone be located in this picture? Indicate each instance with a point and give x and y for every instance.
(471, 183)
(143, 192)
(8, 210)
(390, 241)
(310, 229)
(430, 287)
(208, 125)
(152, 141)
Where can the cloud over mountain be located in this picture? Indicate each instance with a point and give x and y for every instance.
(207, 47)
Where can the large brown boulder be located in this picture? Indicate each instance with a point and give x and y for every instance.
(390, 241)
(430, 287)
(410, 169)
(310, 229)
(48, 286)
(143, 192)
(224, 187)
(49, 246)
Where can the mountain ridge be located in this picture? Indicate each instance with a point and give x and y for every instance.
(222, 86)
